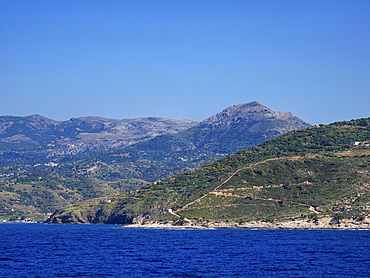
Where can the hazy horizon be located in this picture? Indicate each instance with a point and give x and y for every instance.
(184, 59)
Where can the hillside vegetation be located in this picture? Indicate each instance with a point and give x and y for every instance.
(45, 175)
(302, 174)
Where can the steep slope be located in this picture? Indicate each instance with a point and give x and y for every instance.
(309, 175)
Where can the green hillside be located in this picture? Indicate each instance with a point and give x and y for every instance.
(40, 177)
(303, 174)
(33, 190)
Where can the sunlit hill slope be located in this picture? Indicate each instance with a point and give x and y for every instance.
(303, 174)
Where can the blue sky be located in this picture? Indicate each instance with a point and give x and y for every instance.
(184, 59)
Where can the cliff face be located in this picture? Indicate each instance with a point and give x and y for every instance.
(98, 214)
(87, 218)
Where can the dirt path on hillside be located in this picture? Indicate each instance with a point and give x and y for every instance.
(173, 213)
(233, 174)
(229, 194)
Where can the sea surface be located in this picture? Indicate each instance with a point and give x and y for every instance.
(40, 250)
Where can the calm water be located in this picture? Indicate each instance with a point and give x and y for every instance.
(38, 250)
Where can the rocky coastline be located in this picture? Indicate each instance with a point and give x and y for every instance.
(323, 224)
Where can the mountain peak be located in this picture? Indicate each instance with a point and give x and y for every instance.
(249, 121)
(252, 111)
(40, 118)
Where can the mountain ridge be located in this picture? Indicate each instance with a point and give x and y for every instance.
(35, 130)
(238, 111)
(34, 137)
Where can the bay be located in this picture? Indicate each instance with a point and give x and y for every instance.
(39, 250)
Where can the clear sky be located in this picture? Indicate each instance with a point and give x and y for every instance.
(184, 58)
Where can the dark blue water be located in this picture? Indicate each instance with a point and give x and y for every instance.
(37, 250)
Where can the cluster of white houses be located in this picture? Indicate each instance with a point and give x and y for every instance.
(358, 143)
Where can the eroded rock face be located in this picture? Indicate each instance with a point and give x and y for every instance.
(119, 219)
(68, 218)
(111, 217)
(101, 216)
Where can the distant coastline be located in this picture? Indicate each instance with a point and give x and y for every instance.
(19, 222)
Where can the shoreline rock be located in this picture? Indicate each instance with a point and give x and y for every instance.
(320, 224)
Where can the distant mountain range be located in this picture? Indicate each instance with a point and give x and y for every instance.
(79, 135)
(48, 164)
(36, 138)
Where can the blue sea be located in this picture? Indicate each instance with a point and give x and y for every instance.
(39, 250)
